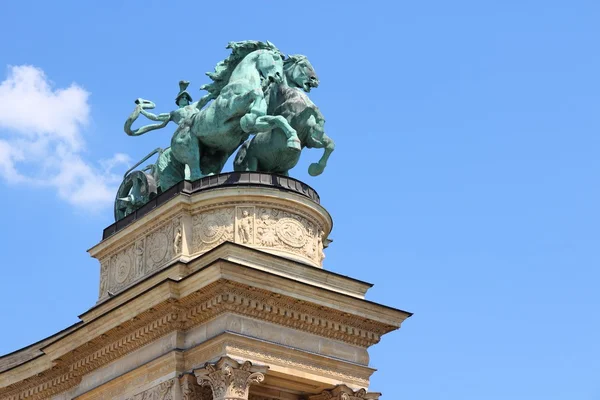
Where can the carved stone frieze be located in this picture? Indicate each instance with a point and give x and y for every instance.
(286, 227)
(142, 256)
(260, 225)
(164, 391)
(230, 380)
(343, 392)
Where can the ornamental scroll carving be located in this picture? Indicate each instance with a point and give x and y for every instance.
(343, 392)
(164, 391)
(190, 390)
(230, 380)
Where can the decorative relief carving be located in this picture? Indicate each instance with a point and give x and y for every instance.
(103, 278)
(122, 267)
(291, 232)
(266, 229)
(159, 247)
(177, 236)
(139, 258)
(262, 225)
(245, 225)
(287, 231)
(159, 392)
(212, 228)
(320, 247)
(230, 380)
(343, 392)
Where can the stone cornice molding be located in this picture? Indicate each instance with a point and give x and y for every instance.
(180, 305)
(229, 379)
(202, 305)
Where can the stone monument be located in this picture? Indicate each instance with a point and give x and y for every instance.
(212, 284)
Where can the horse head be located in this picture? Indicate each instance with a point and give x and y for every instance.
(300, 73)
(269, 64)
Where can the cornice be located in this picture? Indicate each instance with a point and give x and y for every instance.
(178, 305)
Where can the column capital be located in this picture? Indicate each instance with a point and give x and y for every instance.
(229, 379)
(343, 392)
(190, 390)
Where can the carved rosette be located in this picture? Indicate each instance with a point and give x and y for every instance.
(230, 380)
(211, 228)
(343, 392)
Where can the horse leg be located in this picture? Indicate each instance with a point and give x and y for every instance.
(277, 121)
(252, 124)
(256, 121)
(317, 168)
(186, 149)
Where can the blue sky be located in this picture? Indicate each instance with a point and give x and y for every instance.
(464, 184)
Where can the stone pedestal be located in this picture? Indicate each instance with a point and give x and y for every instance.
(215, 291)
(278, 215)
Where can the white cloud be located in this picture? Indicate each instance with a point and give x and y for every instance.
(41, 142)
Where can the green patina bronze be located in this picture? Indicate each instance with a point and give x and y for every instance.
(268, 151)
(253, 92)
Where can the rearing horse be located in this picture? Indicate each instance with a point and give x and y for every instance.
(206, 137)
(268, 151)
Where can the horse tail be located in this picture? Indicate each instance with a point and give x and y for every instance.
(240, 162)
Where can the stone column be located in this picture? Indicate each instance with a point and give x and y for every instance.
(230, 380)
(343, 392)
